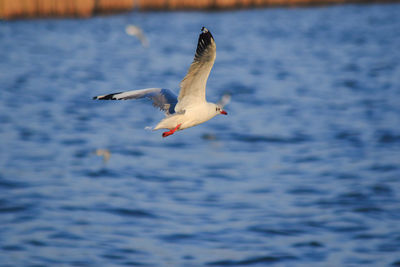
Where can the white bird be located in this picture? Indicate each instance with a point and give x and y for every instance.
(190, 108)
(136, 31)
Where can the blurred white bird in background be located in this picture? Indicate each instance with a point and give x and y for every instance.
(105, 153)
(136, 31)
(225, 99)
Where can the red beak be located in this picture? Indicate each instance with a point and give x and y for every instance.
(223, 112)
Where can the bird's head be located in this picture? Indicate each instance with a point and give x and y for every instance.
(220, 110)
(219, 107)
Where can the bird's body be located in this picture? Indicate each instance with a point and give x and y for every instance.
(192, 116)
(190, 108)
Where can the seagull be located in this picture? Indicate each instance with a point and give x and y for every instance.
(190, 108)
(136, 31)
(105, 153)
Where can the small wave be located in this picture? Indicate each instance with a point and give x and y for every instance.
(128, 251)
(156, 177)
(345, 227)
(253, 260)
(132, 152)
(307, 159)
(347, 176)
(36, 243)
(381, 189)
(351, 84)
(305, 191)
(11, 184)
(275, 231)
(103, 172)
(177, 237)
(73, 208)
(113, 256)
(368, 236)
(14, 208)
(383, 167)
(131, 212)
(388, 137)
(135, 263)
(368, 209)
(299, 138)
(63, 235)
(12, 248)
(176, 144)
(313, 244)
(350, 136)
(350, 198)
(73, 141)
(395, 263)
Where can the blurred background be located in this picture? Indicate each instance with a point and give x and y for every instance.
(304, 171)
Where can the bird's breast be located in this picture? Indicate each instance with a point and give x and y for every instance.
(194, 117)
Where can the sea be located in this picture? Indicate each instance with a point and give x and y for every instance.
(304, 170)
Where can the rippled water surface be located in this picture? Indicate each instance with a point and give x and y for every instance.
(304, 171)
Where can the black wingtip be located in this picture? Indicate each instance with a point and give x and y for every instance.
(107, 97)
(205, 38)
(205, 33)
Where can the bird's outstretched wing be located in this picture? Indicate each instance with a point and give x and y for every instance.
(193, 86)
(164, 99)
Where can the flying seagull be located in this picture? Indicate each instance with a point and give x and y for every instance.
(190, 108)
(136, 31)
(105, 153)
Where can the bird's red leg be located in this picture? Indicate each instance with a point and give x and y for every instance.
(165, 134)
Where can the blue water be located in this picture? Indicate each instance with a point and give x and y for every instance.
(304, 171)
